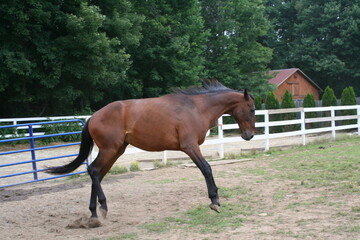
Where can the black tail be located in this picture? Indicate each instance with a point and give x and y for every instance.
(85, 149)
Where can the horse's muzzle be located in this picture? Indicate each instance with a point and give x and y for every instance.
(247, 135)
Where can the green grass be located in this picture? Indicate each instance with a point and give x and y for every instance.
(118, 169)
(125, 236)
(134, 166)
(324, 164)
(201, 218)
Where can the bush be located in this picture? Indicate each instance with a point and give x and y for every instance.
(258, 102)
(328, 98)
(134, 167)
(309, 101)
(348, 97)
(273, 103)
(288, 102)
(62, 128)
(118, 170)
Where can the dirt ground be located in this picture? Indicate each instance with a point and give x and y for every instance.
(136, 199)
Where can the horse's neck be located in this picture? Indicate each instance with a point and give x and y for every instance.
(221, 103)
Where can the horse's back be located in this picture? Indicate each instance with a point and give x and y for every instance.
(151, 124)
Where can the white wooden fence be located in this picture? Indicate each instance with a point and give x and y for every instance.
(332, 115)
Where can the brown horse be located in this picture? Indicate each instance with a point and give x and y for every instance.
(178, 121)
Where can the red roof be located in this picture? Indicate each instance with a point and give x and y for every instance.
(283, 74)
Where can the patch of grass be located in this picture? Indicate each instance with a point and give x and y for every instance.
(348, 229)
(279, 196)
(158, 164)
(232, 192)
(130, 236)
(126, 236)
(157, 227)
(231, 215)
(118, 169)
(134, 166)
(332, 164)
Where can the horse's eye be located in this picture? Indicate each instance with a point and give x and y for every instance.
(252, 110)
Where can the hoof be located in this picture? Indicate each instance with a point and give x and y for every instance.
(103, 212)
(214, 207)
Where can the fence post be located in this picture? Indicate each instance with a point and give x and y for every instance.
(220, 136)
(164, 157)
(32, 147)
(333, 132)
(303, 126)
(266, 130)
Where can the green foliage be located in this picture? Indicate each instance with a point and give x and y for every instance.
(348, 97)
(58, 58)
(309, 101)
(271, 101)
(118, 169)
(63, 57)
(235, 27)
(258, 102)
(328, 98)
(158, 164)
(327, 50)
(57, 128)
(134, 166)
(171, 50)
(288, 102)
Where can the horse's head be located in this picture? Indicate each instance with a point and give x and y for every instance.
(244, 114)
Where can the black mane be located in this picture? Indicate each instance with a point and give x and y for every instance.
(209, 86)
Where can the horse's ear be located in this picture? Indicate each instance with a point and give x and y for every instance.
(246, 95)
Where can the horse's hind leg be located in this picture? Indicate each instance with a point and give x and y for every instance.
(97, 171)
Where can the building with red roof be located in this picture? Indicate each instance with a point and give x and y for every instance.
(295, 81)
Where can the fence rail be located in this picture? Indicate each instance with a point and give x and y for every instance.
(32, 159)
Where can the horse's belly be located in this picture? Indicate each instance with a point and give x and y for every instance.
(152, 143)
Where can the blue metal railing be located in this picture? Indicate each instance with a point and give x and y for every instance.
(33, 150)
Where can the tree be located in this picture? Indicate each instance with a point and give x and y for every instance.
(348, 97)
(288, 102)
(320, 37)
(272, 102)
(282, 16)
(309, 101)
(55, 57)
(171, 50)
(258, 102)
(233, 52)
(328, 98)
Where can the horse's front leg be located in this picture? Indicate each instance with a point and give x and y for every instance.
(205, 168)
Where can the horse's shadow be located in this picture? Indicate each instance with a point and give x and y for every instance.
(19, 194)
